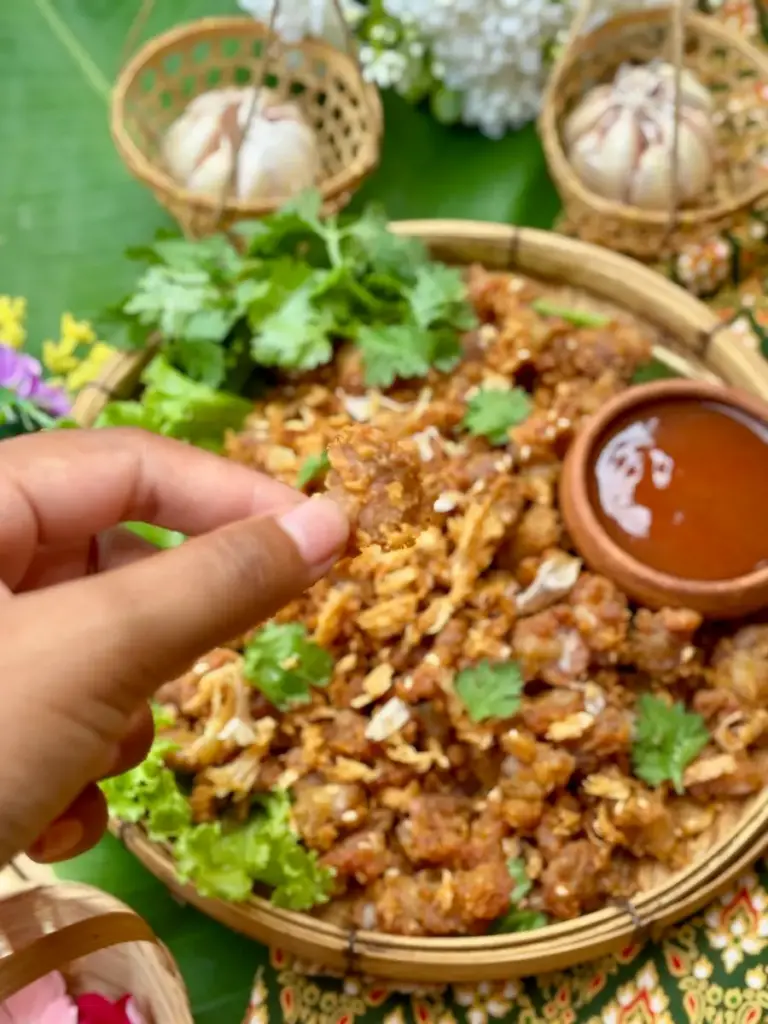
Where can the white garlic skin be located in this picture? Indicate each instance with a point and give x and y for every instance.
(619, 139)
(279, 156)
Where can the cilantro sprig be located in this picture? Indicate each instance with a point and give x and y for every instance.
(490, 690)
(492, 411)
(282, 662)
(281, 292)
(667, 739)
(517, 918)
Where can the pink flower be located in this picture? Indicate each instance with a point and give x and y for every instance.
(96, 1009)
(45, 1001)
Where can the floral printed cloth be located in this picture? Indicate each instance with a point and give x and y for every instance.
(714, 967)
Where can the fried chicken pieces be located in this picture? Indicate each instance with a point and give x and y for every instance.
(417, 807)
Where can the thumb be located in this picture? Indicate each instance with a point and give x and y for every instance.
(78, 659)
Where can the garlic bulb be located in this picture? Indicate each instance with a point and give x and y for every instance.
(279, 156)
(619, 139)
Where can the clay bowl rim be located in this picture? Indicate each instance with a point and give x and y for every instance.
(577, 507)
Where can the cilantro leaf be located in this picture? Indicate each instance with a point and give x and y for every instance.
(215, 253)
(268, 294)
(577, 317)
(368, 241)
(313, 467)
(667, 739)
(491, 412)
(203, 361)
(284, 664)
(393, 352)
(490, 690)
(293, 226)
(297, 336)
(166, 299)
(438, 294)
(519, 920)
(173, 405)
(446, 350)
(523, 884)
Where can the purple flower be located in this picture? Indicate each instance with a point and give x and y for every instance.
(23, 374)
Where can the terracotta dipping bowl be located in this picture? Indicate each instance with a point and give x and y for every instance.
(717, 599)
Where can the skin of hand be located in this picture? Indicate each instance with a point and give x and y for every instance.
(83, 652)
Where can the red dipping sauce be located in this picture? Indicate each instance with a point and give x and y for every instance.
(681, 485)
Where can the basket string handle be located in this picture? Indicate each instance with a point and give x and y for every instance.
(352, 53)
(54, 950)
(136, 29)
(677, 44)
(678, 10)
(262, 68)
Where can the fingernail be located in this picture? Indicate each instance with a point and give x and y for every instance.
(318, 528)
(58, 841)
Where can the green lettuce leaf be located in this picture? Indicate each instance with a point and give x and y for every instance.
(176, 406)
(222, 860)
(226, 862)
(150, 793)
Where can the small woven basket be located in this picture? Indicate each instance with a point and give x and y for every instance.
(97, 943)
(156, 86)
(735, 72)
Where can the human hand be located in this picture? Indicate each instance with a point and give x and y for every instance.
(82, 654)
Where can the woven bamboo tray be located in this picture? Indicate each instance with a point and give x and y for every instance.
(694, 343)
(95, 941)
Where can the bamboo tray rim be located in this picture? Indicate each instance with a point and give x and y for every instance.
(153, 172)
(550, 123)
(643, 293)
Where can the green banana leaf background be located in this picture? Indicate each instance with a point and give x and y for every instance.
(68, 210)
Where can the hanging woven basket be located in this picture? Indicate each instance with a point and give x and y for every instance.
(157, 85)
(736, 75)
(95, 941)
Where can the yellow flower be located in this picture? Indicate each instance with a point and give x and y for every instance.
(13, 314)
(76, 332)
(90, 368)
(59, 356)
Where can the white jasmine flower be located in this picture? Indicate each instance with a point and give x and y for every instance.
(494, 53)
(297, 19)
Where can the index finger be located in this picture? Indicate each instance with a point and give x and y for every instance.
(58, 488)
